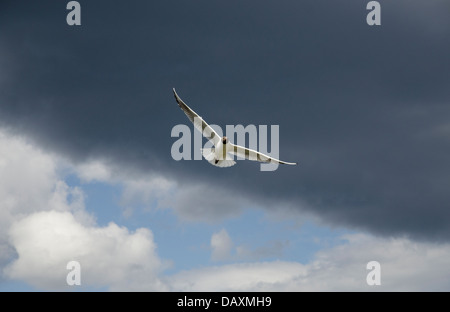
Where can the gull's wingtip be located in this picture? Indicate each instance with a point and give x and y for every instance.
(288, 163)
(175, 94)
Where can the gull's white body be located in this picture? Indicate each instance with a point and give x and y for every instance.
(219, 155)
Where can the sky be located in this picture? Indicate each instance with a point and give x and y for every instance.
(87, 175)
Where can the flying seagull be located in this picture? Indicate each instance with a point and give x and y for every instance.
(219, 155)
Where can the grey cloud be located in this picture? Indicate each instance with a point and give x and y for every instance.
(353, 102)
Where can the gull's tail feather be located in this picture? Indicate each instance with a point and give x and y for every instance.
(223, 163)
(210, 156)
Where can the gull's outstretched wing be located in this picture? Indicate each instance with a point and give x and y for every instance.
(250, 154)
(201, 125)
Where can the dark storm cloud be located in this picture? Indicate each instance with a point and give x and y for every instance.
(364, 110)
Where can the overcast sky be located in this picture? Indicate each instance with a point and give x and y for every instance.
(86, 114)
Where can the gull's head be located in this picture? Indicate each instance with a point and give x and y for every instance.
(224, 140)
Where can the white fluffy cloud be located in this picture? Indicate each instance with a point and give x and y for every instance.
(27, 183)
(238, 277)
(109, 256)
(405, 266)
(44, 225)
(27, 177)
(94, 170)
(221, 246)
